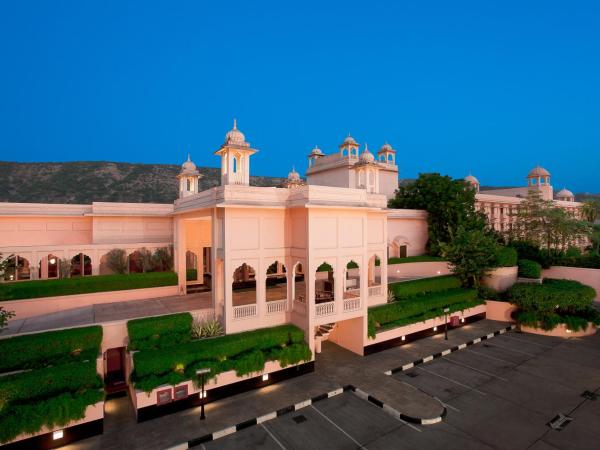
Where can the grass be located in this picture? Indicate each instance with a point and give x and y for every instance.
(413, 288)
(159, 332)
(84, 285)
(413, 259)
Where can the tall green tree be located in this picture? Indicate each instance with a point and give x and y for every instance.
(471, 254)
(4, 314)
(591, 210)
(450, 204)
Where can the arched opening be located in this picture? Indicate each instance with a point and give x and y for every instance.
(135, 262)
(352, 280)
(353, 152)
(390, 157)
(344, 152)
(276, 282)
(244, 286)
(324, 284)
(235, 164)
(299, 284)
(17, 268)
(374, 272)
(191, 266)
(48, 267)
(81, 265)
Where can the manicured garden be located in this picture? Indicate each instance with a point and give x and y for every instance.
(55, 379)
(169, 355)
(420, 300)
(414, 259)
(554, 302)
(85, 285)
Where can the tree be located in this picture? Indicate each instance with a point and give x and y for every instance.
(591, 210)
(4, 314)
(471, 254)
(116, 260)
(450, 204)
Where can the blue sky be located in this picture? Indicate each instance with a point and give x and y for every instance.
(488, 87)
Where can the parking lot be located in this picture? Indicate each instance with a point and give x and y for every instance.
(500, 393)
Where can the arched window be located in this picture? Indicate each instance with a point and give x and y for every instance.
(81, 265)
(235, 164)
(189, 185)
(352, 280)
(244, 286)
(299, 286)
(390, 157)
(276, 282)
(324, 284)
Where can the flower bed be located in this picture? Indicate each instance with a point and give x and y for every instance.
(418, 309)
(85, 285)
(57, 382)
(244, 352)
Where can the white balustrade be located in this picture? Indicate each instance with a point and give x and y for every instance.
(351, 304)
(240, 312)
(374, 291)
(300, 307)
(276, 306)
(325, 309)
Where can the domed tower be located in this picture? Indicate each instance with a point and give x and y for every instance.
(367, 172)
(565, 195)
(235, 158)
(386, 154)
(293, 179)
(349, 147)
(470, 179)
(314, 154)
(188, 178)
(539, 178)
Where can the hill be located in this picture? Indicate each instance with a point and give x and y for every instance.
(100, 181)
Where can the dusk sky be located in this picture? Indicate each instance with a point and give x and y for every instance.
(491, 88)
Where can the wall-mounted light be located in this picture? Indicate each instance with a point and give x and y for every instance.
(434, 328)
(569, 331)
(58, 434)
(403, 338)
(462, 319)
(203, 394)
(52, 260)
(265, 377)
(439, 272)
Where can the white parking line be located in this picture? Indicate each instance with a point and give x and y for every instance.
(528, 342)
(452, 381)
(512, 349)
(453, 408)
(272, 436)
(493, 357)
(338, 427)
(409, 425)
(475, 369)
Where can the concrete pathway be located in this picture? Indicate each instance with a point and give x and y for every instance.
(108, 312)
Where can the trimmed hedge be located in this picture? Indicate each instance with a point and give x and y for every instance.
(554, 302)
(529, 269)
(419, 309)
(43, 383)
(423, 286)
(506, 257)
(159, 332)
(85, 285)
(588, 261)
(243, 352)
(414, 259)
(191, 274)
(38, 350)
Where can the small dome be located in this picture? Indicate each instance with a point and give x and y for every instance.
(348, 141)
(235, 136)
(565, 193)
(471, 179)
(366, 156)
(316, 151)
(386, 148)
(538, 172)
(293, 175)
(188, 166)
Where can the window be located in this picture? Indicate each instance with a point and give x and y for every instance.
(189, 185)
(235, 163)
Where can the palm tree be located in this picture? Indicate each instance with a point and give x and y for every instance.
(591, 210)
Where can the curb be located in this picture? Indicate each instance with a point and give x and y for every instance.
(395, 413)
(449, 350)
(258, 420)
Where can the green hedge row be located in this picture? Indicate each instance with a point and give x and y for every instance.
(413, 288)
(506, 256)
(85, 285)
(587, 261)
(243, 352)
(418, 309)
(38, 350)
(50, 412)
(529, 269)
(413, 259)
(159, 332)
(27, 387)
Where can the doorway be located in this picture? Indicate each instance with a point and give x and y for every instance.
(114, 375)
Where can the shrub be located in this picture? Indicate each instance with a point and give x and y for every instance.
(487, 293)
(591, 261)
(414, 259)
(162, 259)
(159, 332)
(529, 269)
(205, 328)
(34, 351)
(572, 252)
(116, 260)
(325, 268)
(239, 352)
(506, 256)
(5, 316)
(418, 309)
(191, 274)
(526, 250)
(85, 285)
(413, 288)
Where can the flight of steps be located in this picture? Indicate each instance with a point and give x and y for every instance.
(322, 334)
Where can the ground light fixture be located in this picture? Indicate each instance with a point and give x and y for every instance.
(403, 338)
(265, 376)
(446, 311)
(201, 373)
(434, 328)
(58, 434)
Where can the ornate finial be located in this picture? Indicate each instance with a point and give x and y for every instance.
(188, 156)
(366, 147)
(234, 123)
